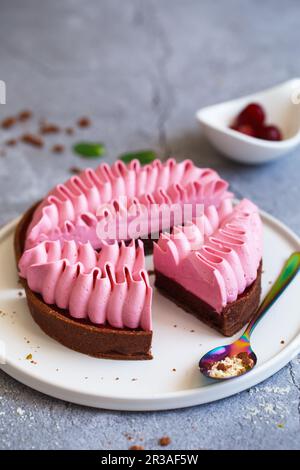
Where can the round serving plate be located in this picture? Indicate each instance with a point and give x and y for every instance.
(172, 379)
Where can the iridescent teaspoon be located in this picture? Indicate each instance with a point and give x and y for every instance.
(235, 359)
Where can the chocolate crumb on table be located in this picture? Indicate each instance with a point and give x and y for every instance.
(48, 128)
(136, 447)
(33, 140)
(164, 441)
(84, 122)
(75, 170)
(8, 122)
(69, 130)
(11, 142)
(58, 148)
(24, 115)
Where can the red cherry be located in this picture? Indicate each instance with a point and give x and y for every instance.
(270, 133)
(252, 114)
(245, 129)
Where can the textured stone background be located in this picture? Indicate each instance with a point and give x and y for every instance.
(141, 69)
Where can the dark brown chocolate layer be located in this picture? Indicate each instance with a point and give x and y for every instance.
(80, 335)
(233, 317)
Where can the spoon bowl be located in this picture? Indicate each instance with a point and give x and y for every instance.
(238, 358)
(220, 353)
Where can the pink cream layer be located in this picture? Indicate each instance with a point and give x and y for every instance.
(219, 267)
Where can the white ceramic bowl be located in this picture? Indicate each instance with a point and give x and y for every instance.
(282, 105)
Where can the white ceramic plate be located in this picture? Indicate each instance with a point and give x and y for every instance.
(171, 379)
(282, 105)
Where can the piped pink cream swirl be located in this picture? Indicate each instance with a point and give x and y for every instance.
(218, 266)
(110, 285)
(72, 210)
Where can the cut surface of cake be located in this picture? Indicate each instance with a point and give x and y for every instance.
(80, 254)
(212, 267)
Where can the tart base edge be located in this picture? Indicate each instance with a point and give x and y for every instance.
(232, 318)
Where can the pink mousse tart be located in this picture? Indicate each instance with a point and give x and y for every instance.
(81, 255)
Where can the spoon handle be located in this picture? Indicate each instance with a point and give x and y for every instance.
(287, 274)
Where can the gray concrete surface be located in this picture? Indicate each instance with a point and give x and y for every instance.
(140, 69)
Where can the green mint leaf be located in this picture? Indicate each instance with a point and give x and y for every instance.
(89, 149)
